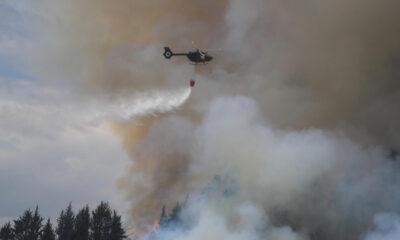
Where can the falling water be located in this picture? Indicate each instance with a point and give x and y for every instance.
(140, 104)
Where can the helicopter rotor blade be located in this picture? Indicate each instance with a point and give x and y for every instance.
(194, 44)
(205, 50)
(202, 53)
(213, 50)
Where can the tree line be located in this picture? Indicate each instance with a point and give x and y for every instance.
(100, 224)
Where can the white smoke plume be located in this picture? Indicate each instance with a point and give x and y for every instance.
(387, 227)
(319, 182)
(251, 224)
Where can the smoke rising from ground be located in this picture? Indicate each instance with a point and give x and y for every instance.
(387, 227)
(318, 182)
(308, 142)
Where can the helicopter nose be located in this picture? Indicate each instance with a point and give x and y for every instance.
(210, 58)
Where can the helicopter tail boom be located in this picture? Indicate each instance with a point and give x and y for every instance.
(168, 53)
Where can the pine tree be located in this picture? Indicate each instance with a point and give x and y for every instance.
(36, 227)
(117, 232)
(21, 225)
(65, 224)
(28, 226)
(175, 214)
(48, 232)
(6, 232)
(163, 217)
(101, 222)
(82, 224)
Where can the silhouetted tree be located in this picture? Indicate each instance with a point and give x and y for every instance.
(103, 225)
(101, 222)
(163, 217)
(65, 224)
(6, 232)
(82, 224)
(117, 232)
(28, 226)
(174, 216)
(48, 232)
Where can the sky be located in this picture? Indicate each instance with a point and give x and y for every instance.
(48, 156)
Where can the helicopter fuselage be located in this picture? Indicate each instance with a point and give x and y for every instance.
(199, 57)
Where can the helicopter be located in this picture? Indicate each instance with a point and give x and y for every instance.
(197, 57)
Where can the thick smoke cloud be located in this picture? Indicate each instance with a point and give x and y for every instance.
(316, 181)
(251, 222)
(387, 227)
(309, 142)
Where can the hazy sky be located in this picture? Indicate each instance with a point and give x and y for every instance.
(48, 156)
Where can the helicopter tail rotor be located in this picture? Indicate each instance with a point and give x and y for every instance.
(168, 53)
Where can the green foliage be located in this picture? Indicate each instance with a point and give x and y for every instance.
(48, 232)
(104, 225)
(6, 232)
(28, 226)
(117, 232)
(82, 224)
(101, 222)
(65, 224)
